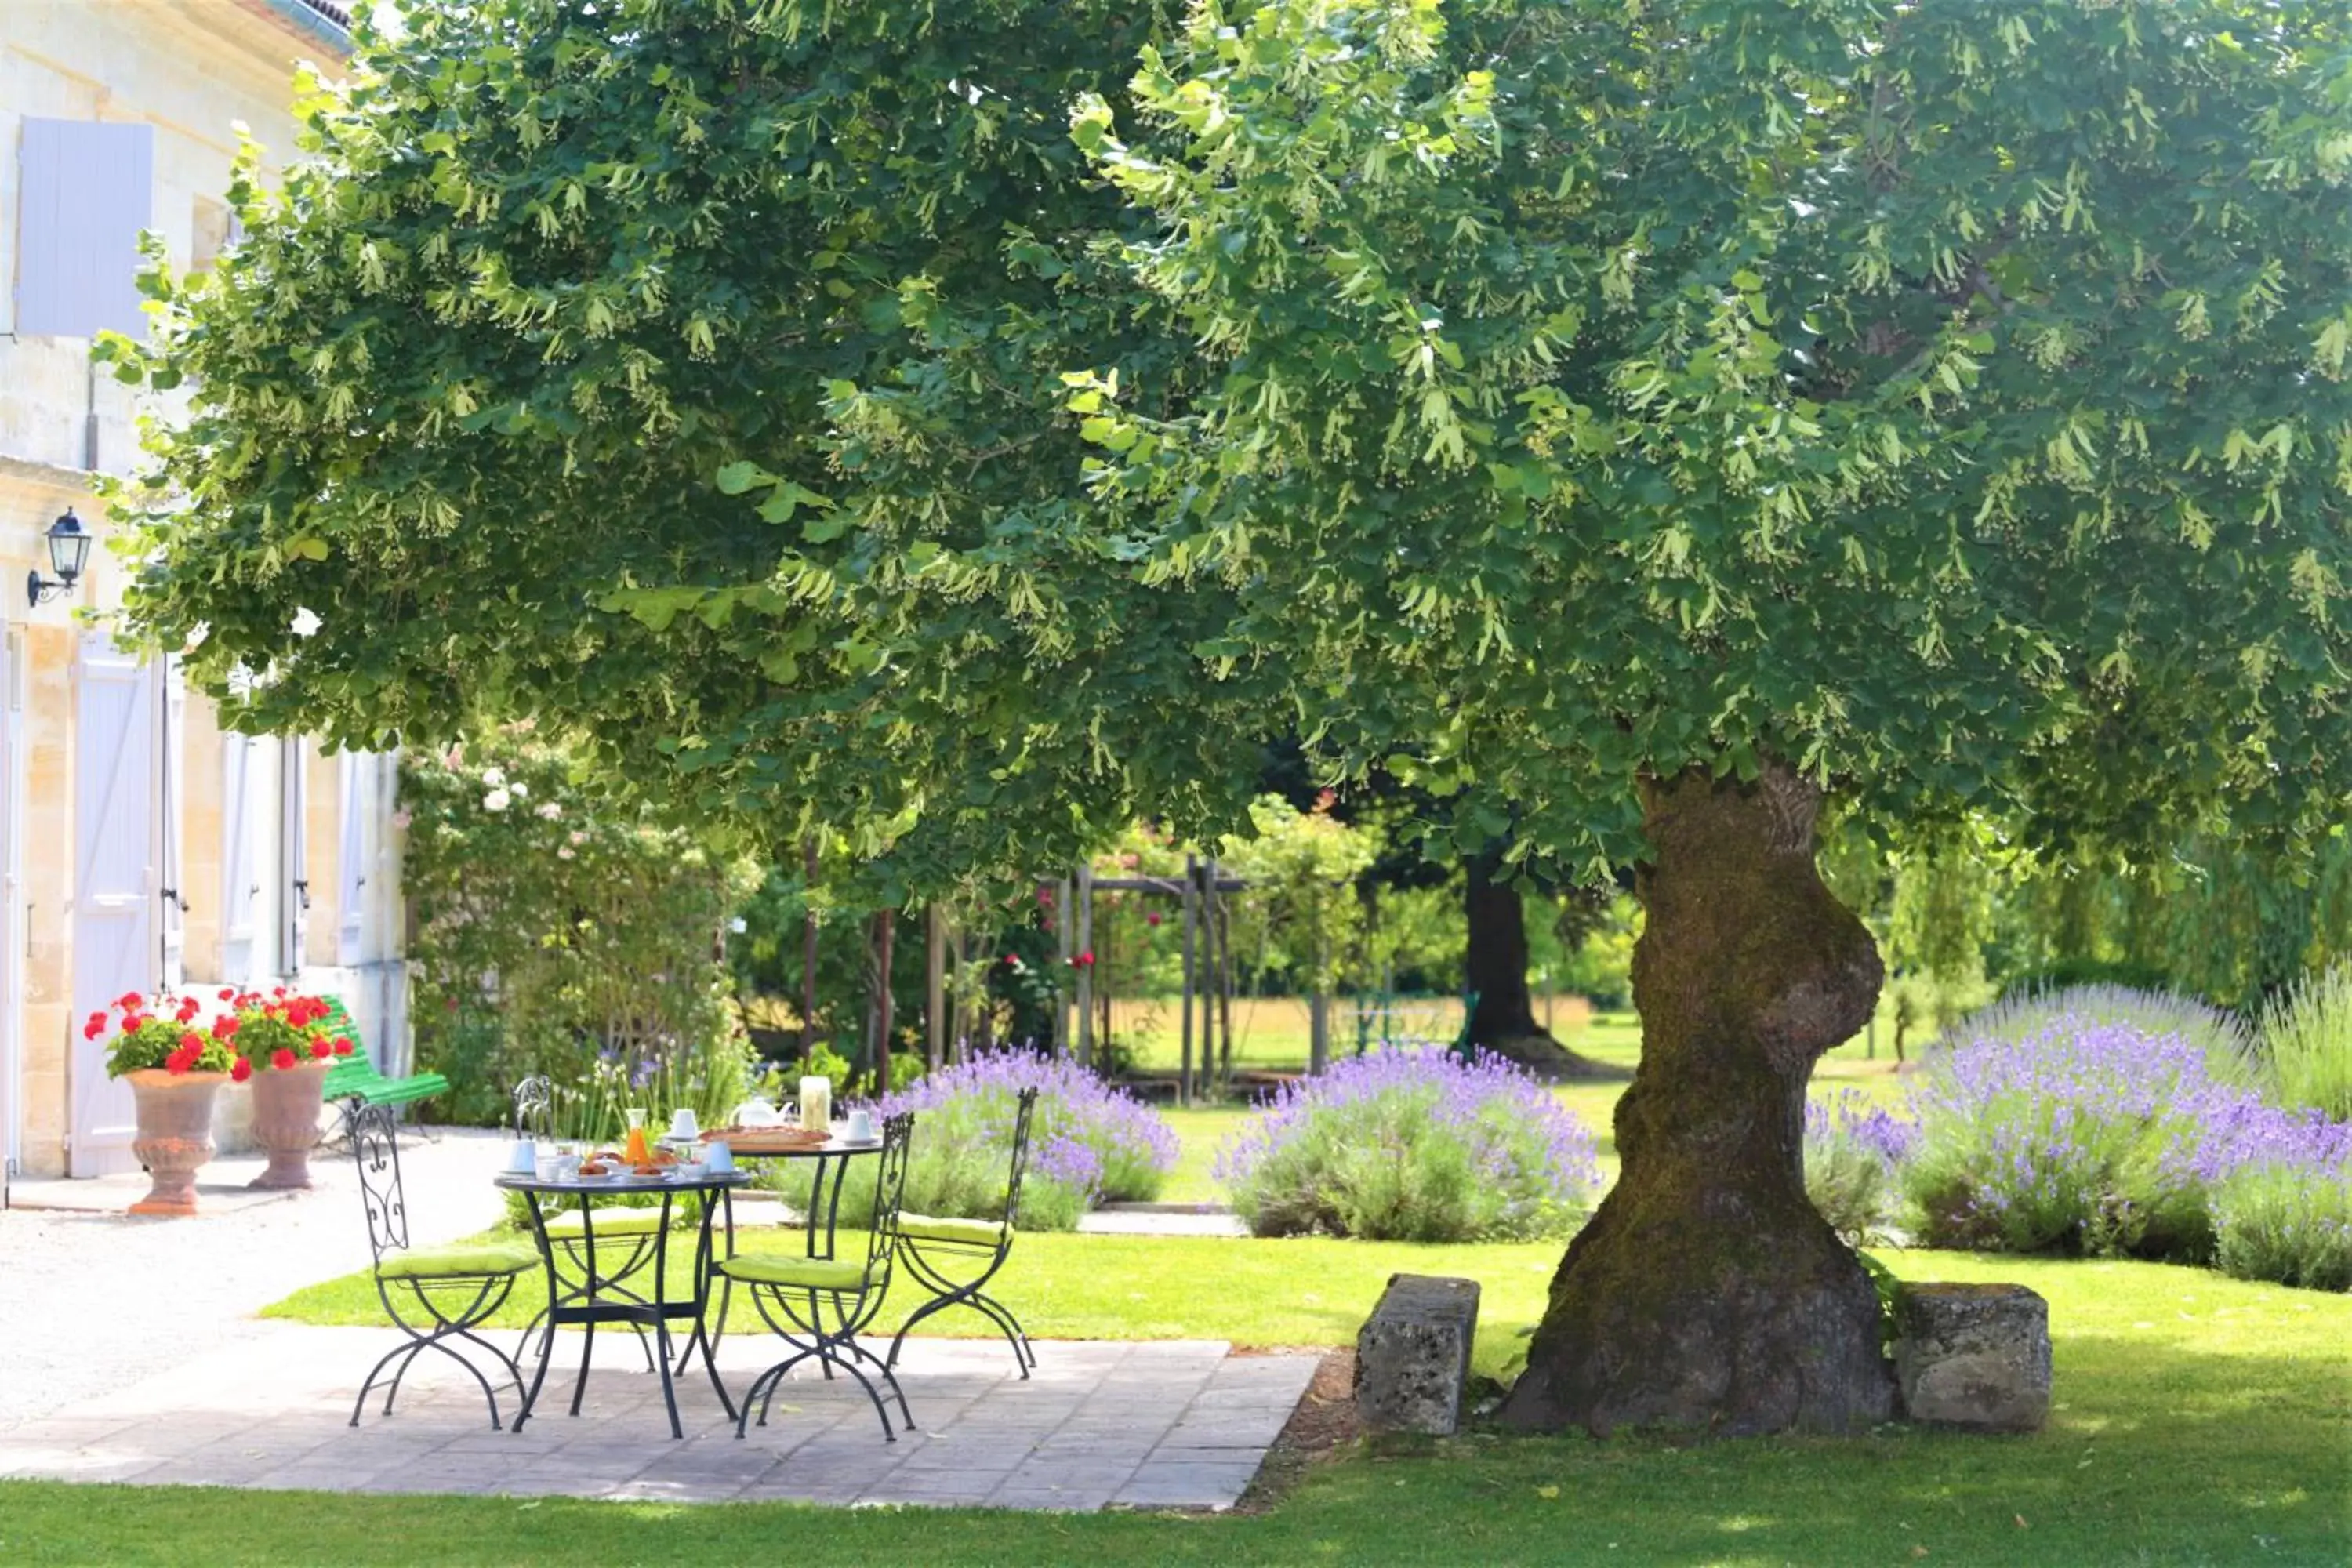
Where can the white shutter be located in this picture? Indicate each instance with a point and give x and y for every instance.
(86, 189)
(243, 822)
(350, 860)
(293, 860)
(170, 796)
(12, 940)
(117, 722)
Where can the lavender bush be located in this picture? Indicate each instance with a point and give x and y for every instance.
(1853, 1151)
(1399, 1145)
(2223, 1041)
(2307, 1044)
(1091, 1142)
(2284, 1223)
(2093, 1136)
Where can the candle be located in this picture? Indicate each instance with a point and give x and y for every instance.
(817, 1104)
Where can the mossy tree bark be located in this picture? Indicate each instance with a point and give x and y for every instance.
(1495, 967)
(1707, 1293)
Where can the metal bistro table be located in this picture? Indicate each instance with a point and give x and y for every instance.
(599, 1300)
(832, 1159)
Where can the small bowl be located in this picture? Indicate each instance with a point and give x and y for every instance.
(688, 1169)
(551, 1167)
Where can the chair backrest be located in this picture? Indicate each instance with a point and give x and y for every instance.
(889, 1191)
(372, 1129)
(1022, 1118)
(534, 1103)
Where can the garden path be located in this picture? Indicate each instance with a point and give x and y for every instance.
(1168, 1424)
(93, 1299)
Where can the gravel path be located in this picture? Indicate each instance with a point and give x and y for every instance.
(91, 1302)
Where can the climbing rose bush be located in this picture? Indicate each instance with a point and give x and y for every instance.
(1403, 1145)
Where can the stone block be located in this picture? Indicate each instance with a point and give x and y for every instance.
(1412, 1354)
(1974, 1355)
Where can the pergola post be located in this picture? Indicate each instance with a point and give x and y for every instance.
(935, 986)
(1085, 987)
(1062, 1038)
(1184, 1025)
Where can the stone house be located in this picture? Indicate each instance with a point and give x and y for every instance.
(140, 846)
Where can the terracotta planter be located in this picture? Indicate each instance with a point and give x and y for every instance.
(175, 1135)
(286, 1104)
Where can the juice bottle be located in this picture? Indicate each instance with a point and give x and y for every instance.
(636, 1150)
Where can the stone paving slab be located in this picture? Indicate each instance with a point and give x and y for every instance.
(1165, 1424)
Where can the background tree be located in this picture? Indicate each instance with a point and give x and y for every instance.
(1701, 410)
(1653, 420)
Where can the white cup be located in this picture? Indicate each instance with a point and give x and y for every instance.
(718, 1157)
(522, 1157)
(861, 1127)
(682, 1123)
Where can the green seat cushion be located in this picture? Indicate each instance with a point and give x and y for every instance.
(609, 1222)
(454, 1262)
(975, 1231)
(798, 1273)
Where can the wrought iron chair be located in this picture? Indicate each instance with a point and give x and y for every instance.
(924, 1243)
(570, 1238)
(818, 1305)
(452, 1291)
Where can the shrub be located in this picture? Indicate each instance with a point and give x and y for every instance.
(2089, 1136)
(1853, 1151)
(555, 932)
(1091, 1142)
(2218, 1037)
(2287, 1223)
(2307, 1044)
(1400, 1145)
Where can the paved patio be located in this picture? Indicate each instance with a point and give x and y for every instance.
(1168, 1424)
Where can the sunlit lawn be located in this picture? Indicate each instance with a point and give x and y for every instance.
(2198, 1420)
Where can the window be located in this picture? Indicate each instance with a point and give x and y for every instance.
(87, 188)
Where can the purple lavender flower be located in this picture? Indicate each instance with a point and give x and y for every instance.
(1094, 1141)
(1411, 1145)
(2096, 1134)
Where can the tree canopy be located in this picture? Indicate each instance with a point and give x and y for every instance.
(965, 427)
(1947, 399)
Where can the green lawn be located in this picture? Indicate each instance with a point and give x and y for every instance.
(2198, 1420)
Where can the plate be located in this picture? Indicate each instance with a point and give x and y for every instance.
(860, 1142)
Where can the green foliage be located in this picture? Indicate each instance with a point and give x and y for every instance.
(556, 932)
(2305, 1056)
(1301, 915)
(726, 346)
(2287, 1225)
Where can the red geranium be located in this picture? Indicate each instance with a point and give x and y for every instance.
(342, 1044)
(320, 1049)
(282, 1059)
(241, 1070)
(224, 1025)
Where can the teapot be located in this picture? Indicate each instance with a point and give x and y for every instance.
(757, 1112)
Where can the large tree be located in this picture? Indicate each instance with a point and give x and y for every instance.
(1628, 425)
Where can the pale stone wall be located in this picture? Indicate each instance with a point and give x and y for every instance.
(190, 68)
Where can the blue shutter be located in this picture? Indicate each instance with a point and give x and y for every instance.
(87, 188)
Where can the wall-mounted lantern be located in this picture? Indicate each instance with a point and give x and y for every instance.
(69, 552)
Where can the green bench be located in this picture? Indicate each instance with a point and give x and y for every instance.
(354, 1076)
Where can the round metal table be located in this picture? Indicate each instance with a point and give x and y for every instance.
(600, 1300)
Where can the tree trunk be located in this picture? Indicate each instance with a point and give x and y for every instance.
(1707, 1293)
(1495, 967)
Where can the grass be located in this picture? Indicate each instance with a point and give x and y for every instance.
(1271, 1032)
(2199, 1419)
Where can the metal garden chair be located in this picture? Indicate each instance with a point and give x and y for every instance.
(925, 1244)
(570, 1238)
(818, 1305)
(436, 1296)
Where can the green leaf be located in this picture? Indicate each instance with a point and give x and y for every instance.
(736, 477)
